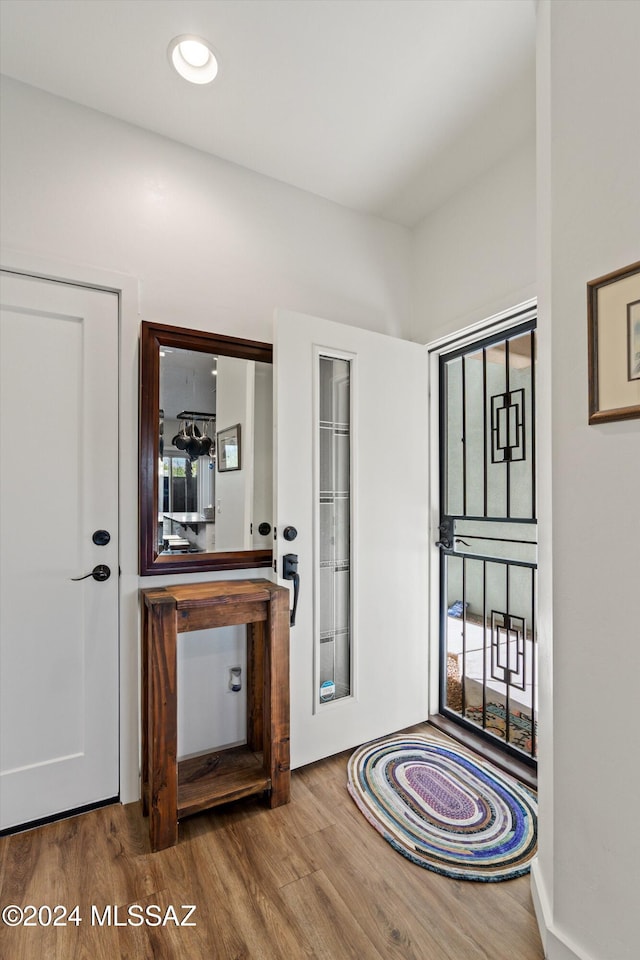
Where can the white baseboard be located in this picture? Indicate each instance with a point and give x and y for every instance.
(540, 904)
(556, 945)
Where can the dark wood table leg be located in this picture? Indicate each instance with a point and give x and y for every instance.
(255, 685)
(144, 713)
(163, 724)
(276, 675)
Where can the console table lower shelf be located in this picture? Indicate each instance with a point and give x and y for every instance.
(174, 789)
(219, 777)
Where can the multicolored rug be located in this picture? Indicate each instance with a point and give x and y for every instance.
(444, 809)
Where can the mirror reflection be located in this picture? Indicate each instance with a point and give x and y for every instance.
(215, 453)
(205, 480)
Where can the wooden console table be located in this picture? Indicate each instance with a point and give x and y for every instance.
(172, 790)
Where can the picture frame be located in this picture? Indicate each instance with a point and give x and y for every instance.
(633, 334)
(613, 322)
(229, 449)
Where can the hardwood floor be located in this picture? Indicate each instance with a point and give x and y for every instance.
(308, 880)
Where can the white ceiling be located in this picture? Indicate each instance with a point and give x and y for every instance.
(385, 106)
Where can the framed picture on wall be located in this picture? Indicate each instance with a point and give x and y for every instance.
(633, 334)
(229, 448)
(613, 315)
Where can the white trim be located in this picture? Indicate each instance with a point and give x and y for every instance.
(541, 903)
(80, 275)
(556, 946)
(315, 536)
(127, 290)
(497, 323)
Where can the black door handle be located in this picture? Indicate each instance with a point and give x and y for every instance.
(446, 534)
(290, 572)
(101, 572)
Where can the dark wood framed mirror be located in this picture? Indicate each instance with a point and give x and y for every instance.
(205, 403)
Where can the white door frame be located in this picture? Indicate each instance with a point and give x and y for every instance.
(467, 335)
(126, 289)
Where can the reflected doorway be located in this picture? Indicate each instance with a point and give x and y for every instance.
(214, 485)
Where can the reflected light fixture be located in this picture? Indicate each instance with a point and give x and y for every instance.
(193, 58)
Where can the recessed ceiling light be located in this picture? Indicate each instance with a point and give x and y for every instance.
(193, 58)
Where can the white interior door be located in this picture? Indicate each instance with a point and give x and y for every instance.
(351, 442)
(59, 485)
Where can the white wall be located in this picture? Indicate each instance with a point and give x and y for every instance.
(587, 880)
(475, 255)
(211, 246)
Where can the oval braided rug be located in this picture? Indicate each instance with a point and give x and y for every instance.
(444, 809)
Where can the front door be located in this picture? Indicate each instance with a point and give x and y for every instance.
(58, 522)
(488, 539)
(351, 507)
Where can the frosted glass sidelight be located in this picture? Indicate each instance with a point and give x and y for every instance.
(335, 528)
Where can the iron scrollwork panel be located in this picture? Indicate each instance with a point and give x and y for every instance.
(508, 427)
(508, 633)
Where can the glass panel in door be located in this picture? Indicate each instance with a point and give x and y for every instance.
(335, 528)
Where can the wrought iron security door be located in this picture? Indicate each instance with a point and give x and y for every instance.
(488, 539)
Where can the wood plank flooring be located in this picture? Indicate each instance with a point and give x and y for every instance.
(308, 880)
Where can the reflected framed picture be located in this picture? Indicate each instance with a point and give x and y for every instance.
(229, 452)
(613, 317)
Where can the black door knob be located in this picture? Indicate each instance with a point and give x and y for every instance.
(264, 529)
(101, 538)
(101, 572)
(289, 533)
